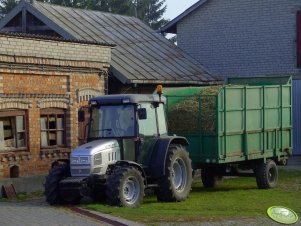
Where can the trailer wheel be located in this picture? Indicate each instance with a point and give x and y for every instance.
(266, 174)
(209, 179)
(125, 187)
(52, 191)
(175, 185)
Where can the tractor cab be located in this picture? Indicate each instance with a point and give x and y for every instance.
(135, 121)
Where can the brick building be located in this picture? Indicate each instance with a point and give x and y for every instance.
(43, 83)
(141, 59)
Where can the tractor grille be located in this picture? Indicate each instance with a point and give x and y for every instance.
(83, 172)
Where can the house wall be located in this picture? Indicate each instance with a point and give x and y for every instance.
(242, 37)
(38, 76)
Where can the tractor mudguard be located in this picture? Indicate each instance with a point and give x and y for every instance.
(157, 164)
(59, 162)
(130, 163)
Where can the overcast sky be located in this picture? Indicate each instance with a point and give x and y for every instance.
(176, 7)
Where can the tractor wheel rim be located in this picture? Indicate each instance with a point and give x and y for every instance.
(131, 190)
(179, 174)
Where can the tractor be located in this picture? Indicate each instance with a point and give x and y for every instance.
(128, 150)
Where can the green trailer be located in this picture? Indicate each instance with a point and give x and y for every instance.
(245, 124)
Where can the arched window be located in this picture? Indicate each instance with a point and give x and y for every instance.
(14, 171)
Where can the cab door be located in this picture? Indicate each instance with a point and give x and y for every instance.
(150, 129)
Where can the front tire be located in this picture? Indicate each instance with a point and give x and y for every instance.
(52, 191)
(175, 185)
(266, 174)
(125, 187)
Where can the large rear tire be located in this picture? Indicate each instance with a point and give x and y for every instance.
(266, 174)
(55, 175)
(125, 187)
(175, 185)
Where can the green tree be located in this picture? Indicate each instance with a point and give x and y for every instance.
(152, 13)
(149, 11)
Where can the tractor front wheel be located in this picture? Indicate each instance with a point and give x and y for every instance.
(56, 174)
(125, 187)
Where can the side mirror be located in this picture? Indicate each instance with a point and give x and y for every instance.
(142, 113)
(81, 115)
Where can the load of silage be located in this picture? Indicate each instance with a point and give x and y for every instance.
(184, 116)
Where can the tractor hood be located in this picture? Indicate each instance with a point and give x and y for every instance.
(94, 147)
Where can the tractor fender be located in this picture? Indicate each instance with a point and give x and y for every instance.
(157, 164)
(129, 163)
(59, 162)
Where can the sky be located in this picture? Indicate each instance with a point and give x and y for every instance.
(176, 7)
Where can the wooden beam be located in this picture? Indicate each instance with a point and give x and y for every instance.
(12, 29)
(39, 28)
(24, 20)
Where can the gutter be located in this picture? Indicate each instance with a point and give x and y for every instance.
(210, 82)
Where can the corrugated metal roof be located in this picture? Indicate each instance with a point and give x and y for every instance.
(141, 55)
(171, 26)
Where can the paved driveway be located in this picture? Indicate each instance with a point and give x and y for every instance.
(37, 213)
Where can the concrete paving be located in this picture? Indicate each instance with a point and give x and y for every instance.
(37, 212)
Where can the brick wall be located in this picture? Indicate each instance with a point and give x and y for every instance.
(37, 74)
(30, 47)
(242, 37)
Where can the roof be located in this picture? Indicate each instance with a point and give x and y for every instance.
(141, 55)
(171, 26)
(128, 99)
(44, 37)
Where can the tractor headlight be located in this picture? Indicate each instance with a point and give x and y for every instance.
(97, 159)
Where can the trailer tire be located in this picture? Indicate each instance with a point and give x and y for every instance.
(52, 191)
(266, 174)
(175, 185)
(125, 187)
(209, 179)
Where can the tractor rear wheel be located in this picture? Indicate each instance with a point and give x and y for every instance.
(125, 187)
(175, 185)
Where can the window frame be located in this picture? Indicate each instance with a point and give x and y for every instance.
(50, 112)
(157, 123)
(15, 113)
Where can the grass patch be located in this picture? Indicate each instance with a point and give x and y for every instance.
(23, 196)
(233, 198)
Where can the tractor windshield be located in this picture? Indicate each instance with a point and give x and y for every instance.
(112, 121)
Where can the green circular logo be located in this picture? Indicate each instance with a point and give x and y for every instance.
(282, 215)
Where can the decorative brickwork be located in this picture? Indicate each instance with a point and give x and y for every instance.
(54, 103)
(85, 94)
(14, 104)
(39, 75)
